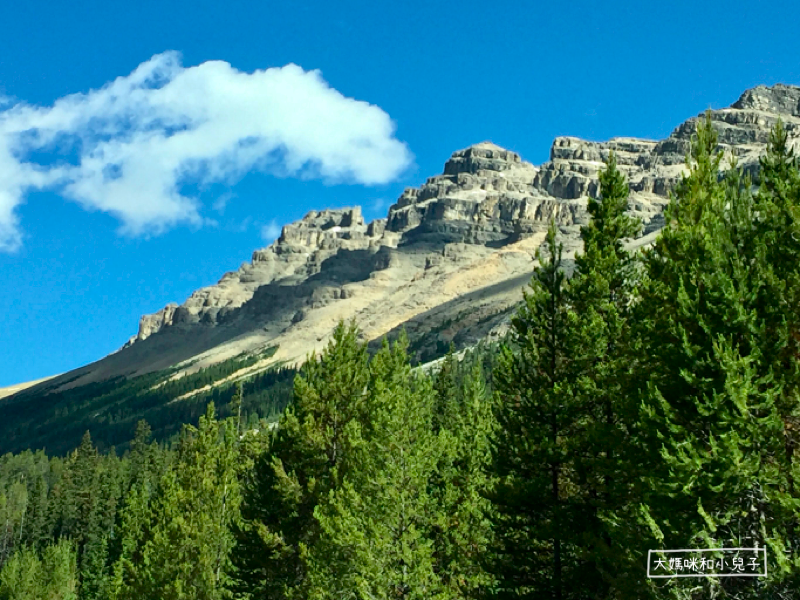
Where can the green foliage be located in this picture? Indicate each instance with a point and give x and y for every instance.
(133, 519)
(714, 394)
(362, 490)
(600, 296)
(188, 539)
(51, 575)
(375, 540)
(537, 526)
(566, 470)
(309, 455)
(462, 533)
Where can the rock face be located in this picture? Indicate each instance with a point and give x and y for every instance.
(294, 257)
(451, 256)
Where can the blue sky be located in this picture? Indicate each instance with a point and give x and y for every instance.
(146, 148)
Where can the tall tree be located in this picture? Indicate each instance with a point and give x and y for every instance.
(187, 551)
(308, 456)
(13, 509)
(38, 532)
(133, 520)
(600, 296)
(711, 427)
(462, 534)
(376, 527)
(31, 575)
(538, 528)
(445, 385)
(775, 249)
(84, 506)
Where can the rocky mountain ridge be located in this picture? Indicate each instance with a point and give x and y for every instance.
(448, 261)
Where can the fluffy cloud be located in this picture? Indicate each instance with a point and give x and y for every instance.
(128, 147)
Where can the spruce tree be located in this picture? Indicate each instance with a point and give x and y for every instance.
(710, 423)
(308, 456)
(445, 385)
(376, 527)
(83, 507)
(462, 534)
(32, 575)
(133, 519)
(775, 248)
(600, 296)
(537, 527)
(38, 533)
(186, 555)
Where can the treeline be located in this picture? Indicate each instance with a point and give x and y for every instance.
(647, 402)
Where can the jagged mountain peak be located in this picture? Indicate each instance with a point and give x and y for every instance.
(484, 156)
(312, 227)
(780, 99)
(486, 195)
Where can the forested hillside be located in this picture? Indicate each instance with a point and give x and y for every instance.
(55, 420)
(649, 401)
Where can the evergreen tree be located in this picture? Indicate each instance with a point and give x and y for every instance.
(51, 575)
(537, 526)
(133, 519)
(376, 527)
(13, 508)
(710, 422)
(462, 530)
(38, 533)
(600, 296)
(83, 511)
(774, 248)
(445, 385)
(309, 455)
(187, 550)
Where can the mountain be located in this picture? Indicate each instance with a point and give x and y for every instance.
(448, 262)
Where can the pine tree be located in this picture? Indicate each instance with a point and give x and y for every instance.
(83, 511)
(600, 296)
(538, 529)
(38, 533)
(376, 527)
(445, 385)
(51, 574)
(308, 457)
(775, 247)
(133, 519)
(710, 424)
(187, 550)
(462, 531)
(32, 475)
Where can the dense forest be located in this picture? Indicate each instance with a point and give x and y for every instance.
(649, 401)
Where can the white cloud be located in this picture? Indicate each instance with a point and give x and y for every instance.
(137, 139)
(271, 231)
